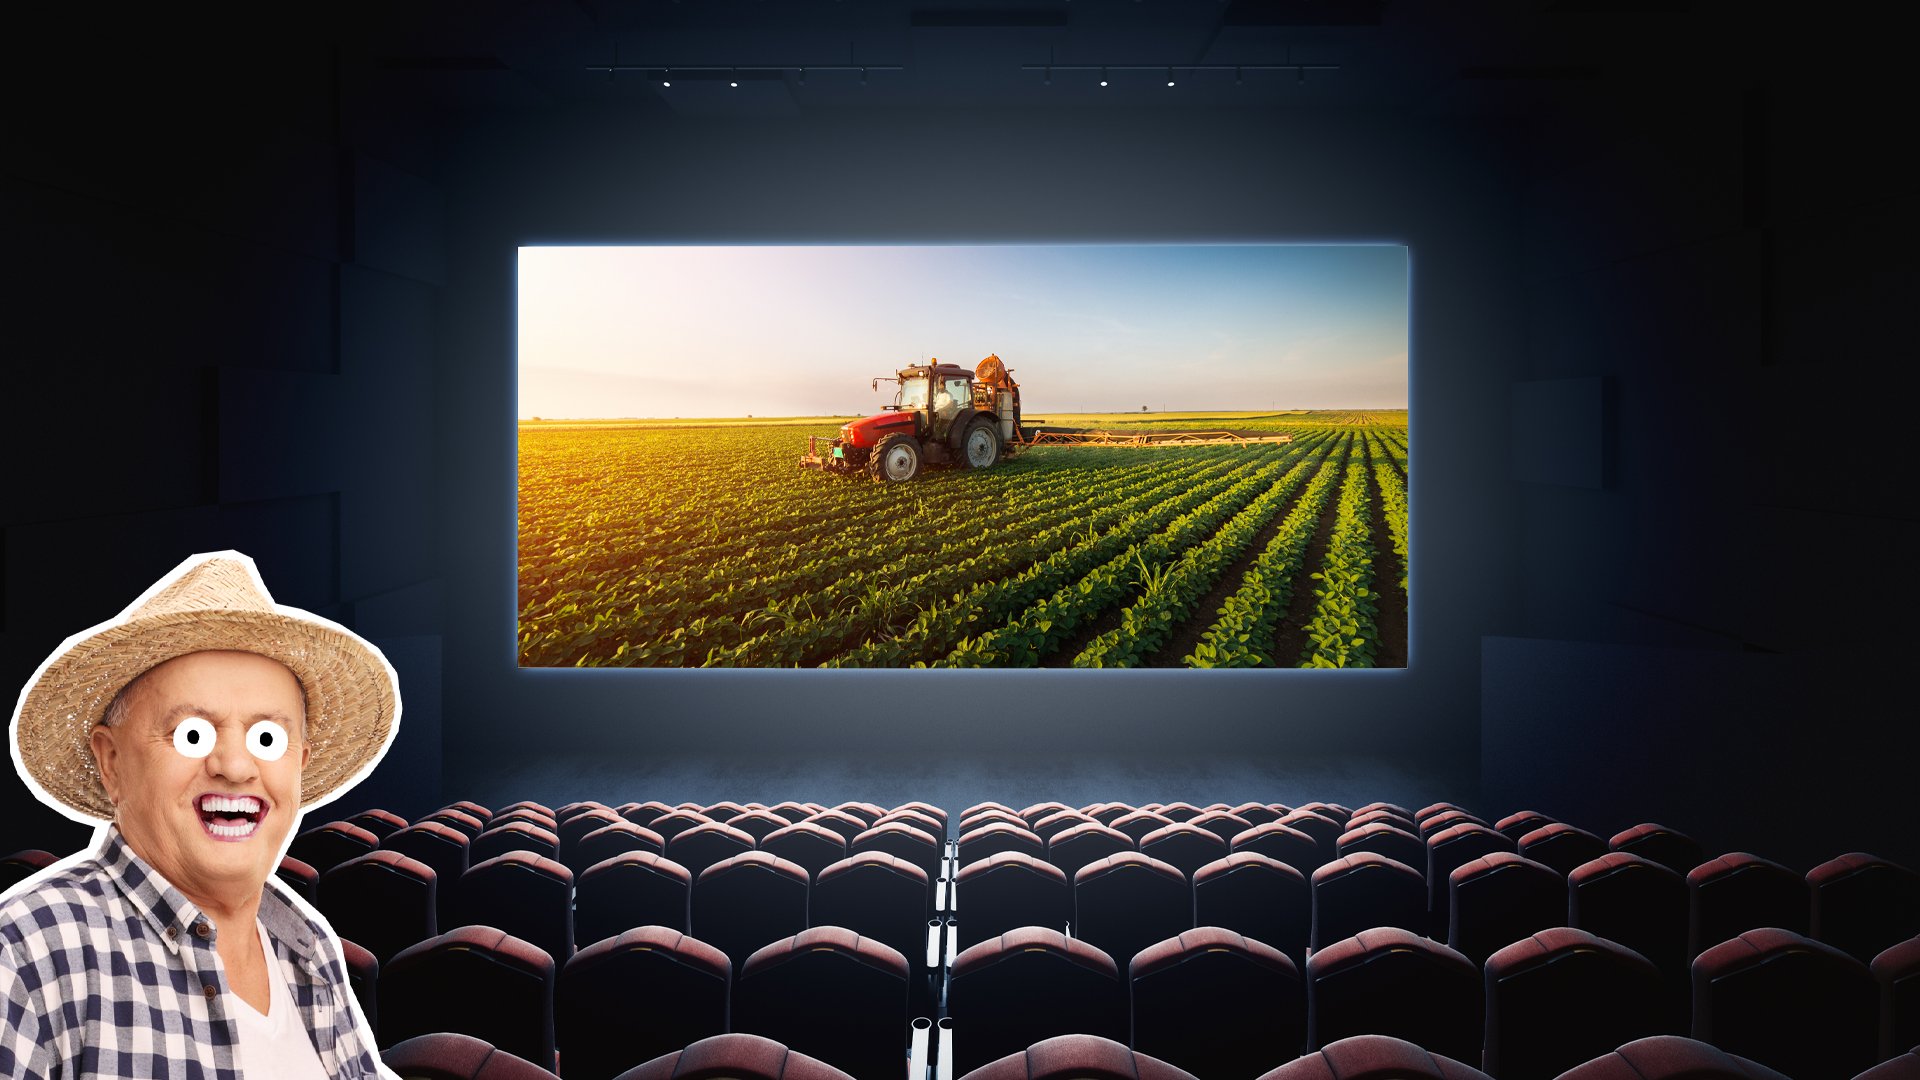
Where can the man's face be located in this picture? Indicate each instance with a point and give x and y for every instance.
(204, 782)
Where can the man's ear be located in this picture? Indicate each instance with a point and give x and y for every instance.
(306, 754)
(106, 759)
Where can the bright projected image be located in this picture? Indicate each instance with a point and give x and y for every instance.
(1095, 456)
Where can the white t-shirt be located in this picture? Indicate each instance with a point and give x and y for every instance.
(275, 1045)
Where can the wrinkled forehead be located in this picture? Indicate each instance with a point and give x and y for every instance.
(243, 684)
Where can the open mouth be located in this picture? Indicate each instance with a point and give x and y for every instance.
(231, 817)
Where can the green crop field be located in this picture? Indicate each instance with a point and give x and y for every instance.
(689, 543)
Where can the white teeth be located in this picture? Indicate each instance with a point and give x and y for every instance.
(230, 804)
(232, 832)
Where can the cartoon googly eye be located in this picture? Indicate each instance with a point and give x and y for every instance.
(266, 740)
(194, 737)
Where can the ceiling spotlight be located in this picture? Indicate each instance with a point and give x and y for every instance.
(665, 79)
(733, 77)
(1103, 76)
(1169, 76)
(803, 76)
(863, 76)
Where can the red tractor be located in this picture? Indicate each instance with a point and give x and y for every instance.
(943, 414)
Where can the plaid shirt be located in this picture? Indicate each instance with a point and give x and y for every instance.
(107, 970)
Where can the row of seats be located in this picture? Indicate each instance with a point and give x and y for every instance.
(1089, 1057)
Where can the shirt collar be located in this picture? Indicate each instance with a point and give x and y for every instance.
(173, 916)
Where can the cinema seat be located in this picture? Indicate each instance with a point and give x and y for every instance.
(1218, 1004)
(1032, 814)
(1897, 970)
(1500, 898)
(569, 811)
(744, 902)
(1339, 814)
(298, 876)
(1517, 825)
(1126, 902)
(1008, 891)
(1364, 818)
(989, 840)
(876, 896)
(383, 900)
(380, 823)
(628, 999)
(1788, 1002)
(1904, 1067)
(475, 980)
(1562, 846)
(516, 834)
(676, 821)
(1106, 813)
(1431, 809)
(929, 810)
(1384, 838)
(735, 1057)
(542, 809)
(1374, 1057)
(791, 811)
(1059, 821)
(1446, 819)
(637, 888)
(1261, 898)
(1178, 811)
(1676, 851)
(465, 823)
(1642, 905)
(643, 813)
(1738, 892)
(1391, 981)
(1087, 843)
(539, 819)
(847, 825)
(470, 808)
(866, 811)
(363, 979)
(1670, 1057)
(983, 807)
(1031, 984)
(1078, 1057)
(723, 810)
(1139, 823)
(1184, 846)
(617, 838)
(705, 845)
(1364, 890)
(927, 823)
(441, 847)
(1562, 996)
(902, 841)
(1395, 809)
(524, 895)
(1279, 841)
(831, 994)
(1863, 904)
(332, 844)
(1223, 824)
(807, 846)
(758, 823)
(1324, 831)
(1448, 850)
(575, 828)
(445, 1055)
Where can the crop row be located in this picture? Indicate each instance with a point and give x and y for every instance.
(1243, 635)
(988, 603)
(1341, 632)
(1047, 623)
(1169, 592)
(1393, 505)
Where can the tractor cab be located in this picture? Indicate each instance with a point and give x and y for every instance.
(941, 414)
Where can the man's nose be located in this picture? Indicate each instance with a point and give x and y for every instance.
(231, 760)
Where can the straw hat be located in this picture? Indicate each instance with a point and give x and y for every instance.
(212, 601)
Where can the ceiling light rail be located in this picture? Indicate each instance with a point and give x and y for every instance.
(732, 74)
(1172, 73)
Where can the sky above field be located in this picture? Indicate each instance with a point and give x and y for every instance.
(800, 331)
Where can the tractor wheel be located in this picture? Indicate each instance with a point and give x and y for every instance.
(895, 458)
(982, 445)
